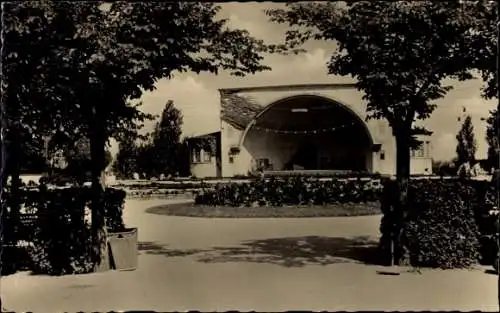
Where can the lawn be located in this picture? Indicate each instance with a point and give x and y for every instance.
(330, 210)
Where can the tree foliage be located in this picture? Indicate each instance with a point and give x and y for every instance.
(444, 168)
(466, 142)
(484, 51)
(78, 158)
(94, 60)
(125, 164)
(31, 103)
(166, 141)
(493, 140)
(399, 52)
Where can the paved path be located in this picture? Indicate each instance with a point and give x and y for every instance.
(251, 264)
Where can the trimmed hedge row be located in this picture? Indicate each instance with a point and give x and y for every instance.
(445, 225)
(56, 229)
(290, 191)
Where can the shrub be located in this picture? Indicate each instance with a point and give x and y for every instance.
(62, 243)
(442, 225)
(290, 191)
(440, 229)
(56, 228)
(114, 203)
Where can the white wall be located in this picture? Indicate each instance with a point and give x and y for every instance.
(26, 178)
(422, 164)
(419, 166)
(230, 136)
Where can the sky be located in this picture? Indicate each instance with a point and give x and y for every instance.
(198, 98)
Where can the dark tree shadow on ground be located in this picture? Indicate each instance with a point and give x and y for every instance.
(288, 252)
(491, 272)
(298, 251)
(148, 247)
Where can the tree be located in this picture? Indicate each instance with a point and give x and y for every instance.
(444, 168)
(166, 141)
(125, 164)
(127, 48)
(493, 140)
(101, 57)
(32, 158)
(484, 44)
(30, 102)
(145, 154)
(466, 143)
(78, 157)
(398, 52)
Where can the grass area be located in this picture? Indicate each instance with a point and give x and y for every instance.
(331, 210)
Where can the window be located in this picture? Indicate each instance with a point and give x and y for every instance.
(231, 159)
(262, 163)
(207, 156)
(382, 155)
(201, 156)
(428, 149)
(196, 155)
(419, 152)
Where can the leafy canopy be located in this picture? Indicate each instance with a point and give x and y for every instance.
(484, 51)
(493, 139)
(166, 140)
(87, 60)
(33, 104)
(125, 164)
(124, 50)
(399, 52)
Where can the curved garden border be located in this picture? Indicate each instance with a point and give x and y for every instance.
(333, 210)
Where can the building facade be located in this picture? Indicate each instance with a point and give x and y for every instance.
(300, 127)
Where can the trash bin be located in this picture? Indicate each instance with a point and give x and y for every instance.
(123, 250)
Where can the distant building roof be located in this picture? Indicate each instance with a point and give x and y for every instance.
(201, 136)
(238, 111)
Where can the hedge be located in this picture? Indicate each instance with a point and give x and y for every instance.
(445, 224)
(55, 228)
(290, 191)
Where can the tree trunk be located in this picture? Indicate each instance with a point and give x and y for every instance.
(99, 240)
(15, 184)
(402, 178)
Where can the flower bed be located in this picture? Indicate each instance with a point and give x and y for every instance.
(291, 191)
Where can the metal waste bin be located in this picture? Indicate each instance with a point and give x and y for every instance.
(123, 250)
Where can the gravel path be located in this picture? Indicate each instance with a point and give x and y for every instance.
(251, 264)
